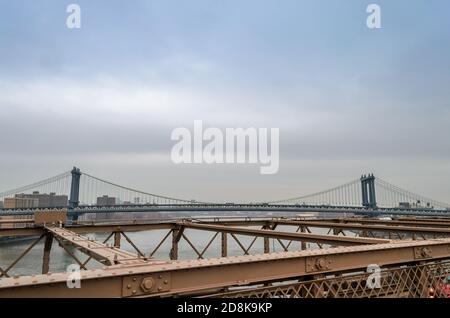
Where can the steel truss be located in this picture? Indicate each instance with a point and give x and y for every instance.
(412, 253)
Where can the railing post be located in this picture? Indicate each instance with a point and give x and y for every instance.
(224, 244)
(176, 236)
(266, 245)
(46, 256)
(268, 226)
(117, 238)
(303, 243)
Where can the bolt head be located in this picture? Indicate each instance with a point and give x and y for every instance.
(321, 263)
(147, 284)
(426, 252)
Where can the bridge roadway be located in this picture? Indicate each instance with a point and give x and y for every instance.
(277, 208)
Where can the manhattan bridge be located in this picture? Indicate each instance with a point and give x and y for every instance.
(364, 195)
(291, 249)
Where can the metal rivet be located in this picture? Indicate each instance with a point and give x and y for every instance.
(147, 284)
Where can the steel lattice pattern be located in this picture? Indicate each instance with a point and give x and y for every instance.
(413, 282)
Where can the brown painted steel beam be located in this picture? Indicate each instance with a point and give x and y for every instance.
(305, 237)
(224, 244)
(367, 227)
(436, 224)
(438, 227)
(99, 251)
(202, 276)
(46, 255)
(19, 232)
(400, 221)
(104, 228)
(14, 221)
(91, 228)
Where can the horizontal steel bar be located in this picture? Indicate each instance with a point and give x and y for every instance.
(397, 221)
(19, 232)
(354, 226)
(304, 237)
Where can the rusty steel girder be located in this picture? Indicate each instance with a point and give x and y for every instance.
(204, 276)
(305, 237)
(103, 253)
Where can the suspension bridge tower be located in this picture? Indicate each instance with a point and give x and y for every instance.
(368, 191)
(74, 200)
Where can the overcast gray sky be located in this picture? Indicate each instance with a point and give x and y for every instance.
(347, 100)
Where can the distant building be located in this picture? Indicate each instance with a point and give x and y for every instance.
(106, 201)
(21, 203)
(1, 204)
(36, 200)
(415, 205)
(47, 200)
(405, 205)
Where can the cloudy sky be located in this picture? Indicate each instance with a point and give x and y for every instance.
(347, 100)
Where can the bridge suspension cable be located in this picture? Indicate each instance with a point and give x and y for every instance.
(92, 188)
(59, 184)
(389, 195)
(96, 191)
(348, 194)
